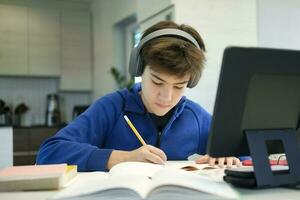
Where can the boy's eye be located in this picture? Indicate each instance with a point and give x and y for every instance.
(156, 83)
(179, 87)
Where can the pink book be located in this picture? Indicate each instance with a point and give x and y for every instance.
(36, 177)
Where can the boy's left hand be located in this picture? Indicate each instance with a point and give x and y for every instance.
(228, 161)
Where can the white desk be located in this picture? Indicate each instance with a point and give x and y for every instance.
(265, 194)
(271, 193)
(246, 194)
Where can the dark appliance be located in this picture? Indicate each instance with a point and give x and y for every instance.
(5, 114)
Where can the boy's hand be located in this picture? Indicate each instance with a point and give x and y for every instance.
(148, 153)
(228, 161)
(145, 153)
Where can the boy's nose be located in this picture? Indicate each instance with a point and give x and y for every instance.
(166, 94)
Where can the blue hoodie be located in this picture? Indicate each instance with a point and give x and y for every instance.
(89, 140)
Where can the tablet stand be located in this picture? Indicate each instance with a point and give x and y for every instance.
(258, 150)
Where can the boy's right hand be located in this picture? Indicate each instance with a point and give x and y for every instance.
(147, 153)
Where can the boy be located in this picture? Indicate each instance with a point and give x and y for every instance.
(169, 58)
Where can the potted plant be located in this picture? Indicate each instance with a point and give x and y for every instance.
(121, 79)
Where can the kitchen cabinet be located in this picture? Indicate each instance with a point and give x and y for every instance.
(13, 40)
(27, 141)
(30, 41)
(76, 69)
(44, 42)
(41, 41)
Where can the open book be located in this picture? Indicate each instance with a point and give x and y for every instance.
(137, 180)
(36, 177)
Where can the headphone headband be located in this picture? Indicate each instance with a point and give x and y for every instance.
(166, 32)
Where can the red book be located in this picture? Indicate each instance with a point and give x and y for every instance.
(272, 162)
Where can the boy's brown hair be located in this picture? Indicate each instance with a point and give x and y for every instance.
(173, 55)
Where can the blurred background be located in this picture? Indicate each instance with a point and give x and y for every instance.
(58, 56)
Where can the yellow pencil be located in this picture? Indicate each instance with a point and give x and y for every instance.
(135, 131)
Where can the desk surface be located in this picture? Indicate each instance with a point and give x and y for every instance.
(257, 194)
(263, 194)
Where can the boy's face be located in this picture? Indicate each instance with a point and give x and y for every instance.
(161, 91)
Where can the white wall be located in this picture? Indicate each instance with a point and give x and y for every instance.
(279, 23)
(105, 15)
(147, 8)
(221, 24)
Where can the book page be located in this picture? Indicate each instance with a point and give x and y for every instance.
(135, 168)
(188, 165)
(149, 169)
(84, 183)
(129, 171)
(175, 180)
(93, 184)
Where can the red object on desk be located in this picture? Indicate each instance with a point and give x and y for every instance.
(272, 162)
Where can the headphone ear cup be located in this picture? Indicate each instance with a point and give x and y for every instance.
(191, 84)
(133, 62)
(139, 66)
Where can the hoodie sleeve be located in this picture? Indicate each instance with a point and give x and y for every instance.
(79, 143)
